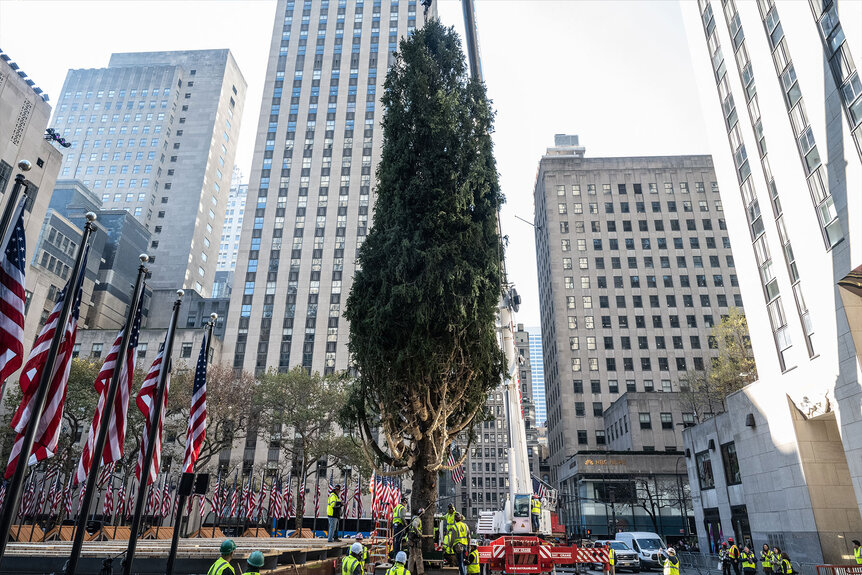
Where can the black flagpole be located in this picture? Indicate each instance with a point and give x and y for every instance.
(175, 538)
(144, 483)
(107, 411)
(12, 201)
(13, 489)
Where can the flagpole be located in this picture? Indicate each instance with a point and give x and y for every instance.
(96, 454)
(151, 440)
(175, 538)
(12, 201)
(13, 490)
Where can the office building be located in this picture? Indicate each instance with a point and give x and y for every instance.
(310, 190)
(155, 134)
(233, 215)
(781, 97)
(24, 114)
(538, 371)
(635, 268)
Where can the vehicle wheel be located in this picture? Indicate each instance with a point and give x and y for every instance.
(636, 569)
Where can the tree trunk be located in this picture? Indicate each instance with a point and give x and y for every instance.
(425, 490)
(300, 499)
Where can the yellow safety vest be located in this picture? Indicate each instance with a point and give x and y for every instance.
(766, 559)
(398, 569)
(612, 559)
(786, 566)
(364, 558)
(349, 565)
(733, 553)
(220, 567)
(536, 507)
(473, 562)
(748, 561)
(857, 552)
(462, 534)
(776, 563)
(330, 504)
(398, 514)
(671, 566)
(450, 520)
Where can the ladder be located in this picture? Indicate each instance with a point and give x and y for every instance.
(381, 541)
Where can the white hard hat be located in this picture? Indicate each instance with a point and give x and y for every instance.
(671, 551)
(401, 557)
(356, 548)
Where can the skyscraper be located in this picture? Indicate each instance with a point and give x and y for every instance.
(155, 134)
(310, 190)
(538, 369)
(635, 268)
(233, 216)
(782, 102)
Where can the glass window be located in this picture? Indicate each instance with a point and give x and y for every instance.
(704, 470)
(731, 464)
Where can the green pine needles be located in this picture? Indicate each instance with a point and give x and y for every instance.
(423, 303)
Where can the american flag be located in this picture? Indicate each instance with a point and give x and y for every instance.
(215, 500)
(357, 498)
(276, 507)
(287, 498)
(152, 500)
(344, 498)
(146, 400)
(271, 510)
(80, 499)
(197, 429)
(113, 450)
(248, 497)
(457, 472)
(166, 498)
(104, 473)
(261, 496)
(108, 506)
(67, 497)
(539, 488)
(121, 499)
(2, 494)
(202, 506)
(317, 498)
(13, 264)
(48, 430)
(233, 502)
(130, 501)
(52, 491)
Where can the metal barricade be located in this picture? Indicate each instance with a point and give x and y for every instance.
(839, 570)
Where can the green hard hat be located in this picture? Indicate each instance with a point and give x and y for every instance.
(255, 559)
(227, 547)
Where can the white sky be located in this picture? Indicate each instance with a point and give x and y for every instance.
(616, 73)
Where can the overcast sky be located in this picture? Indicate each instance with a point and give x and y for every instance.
(616, 73)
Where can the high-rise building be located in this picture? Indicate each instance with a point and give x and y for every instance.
(310, 191)
(233, 216)
(538, 371)
(635, 268)
(782, 102)
(155, 134)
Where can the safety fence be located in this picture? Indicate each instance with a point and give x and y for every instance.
(709, 564)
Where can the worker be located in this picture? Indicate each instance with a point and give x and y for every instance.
(857, 551)
(786, 567)
(222, 565)
(775, 558)
(351, 565)
(399, 525)
(473, 566)
(766, 559)
(333, 512)
(416, 563)
(460, 542)
(364, 559)
(450, 525)
(612, 560)
(749, 561)
(724, 559)
(671, 562)
(255, 561)
(733, 554)
(536, 512)
(398, 568)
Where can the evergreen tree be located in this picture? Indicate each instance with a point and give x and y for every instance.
(428, 281)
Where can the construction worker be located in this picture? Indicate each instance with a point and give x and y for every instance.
(351, 565)
(473, 566)
(364, 559)
(222, 565)
(399, 525)
(724, 559)
(857, 551)
(612, 560)
(733, 554)
(766, 559)
(749, 561)
(333, 512)
(398, 568)
(255, 562)
(416, 563)
(450, 525)
(670, 562)
(460, 542)
(775, 558)
(536, 512)
(786, 567)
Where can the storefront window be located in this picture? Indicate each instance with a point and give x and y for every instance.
(704, 470)
(731, 464)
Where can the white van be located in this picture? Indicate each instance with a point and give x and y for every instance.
(649, 547)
